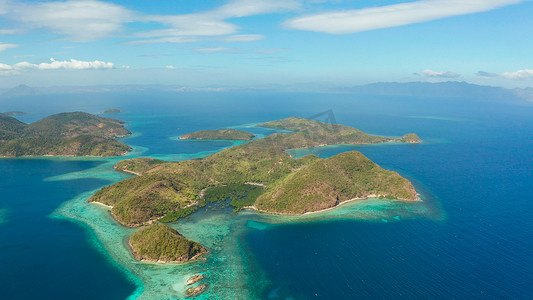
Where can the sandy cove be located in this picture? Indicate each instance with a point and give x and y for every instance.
(100, 203)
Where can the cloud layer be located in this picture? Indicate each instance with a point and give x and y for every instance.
(72, 64)
(351, 21)
(89, 20)
(525, 74)
(226, 50)
(213, 23)
(4, 46)
(520, 74)
(440, 74)
(77, 20)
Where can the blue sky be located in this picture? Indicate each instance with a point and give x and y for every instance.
(265, 43)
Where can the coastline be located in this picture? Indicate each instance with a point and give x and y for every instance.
(101, 204)
(355, 199)
(392, 140)
(129, 171)
(64, 156)
(329, 208)
(213, 140)
(338, 205)
(196, 257)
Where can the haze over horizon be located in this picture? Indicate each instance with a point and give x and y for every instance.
(262, 43)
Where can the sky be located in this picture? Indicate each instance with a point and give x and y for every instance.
(265, 43)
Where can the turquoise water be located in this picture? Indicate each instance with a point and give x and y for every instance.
(471, 237)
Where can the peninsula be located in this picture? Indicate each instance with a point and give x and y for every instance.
(219, 134)
(63, 134)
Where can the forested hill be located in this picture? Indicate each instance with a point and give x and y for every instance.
(63, 134)
(261, 169)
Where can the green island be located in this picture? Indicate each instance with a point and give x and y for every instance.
(15, 113)
(63, 134)
(312, 133)
(112, 111)
(161, 243)
(257, 175)
(219, 134)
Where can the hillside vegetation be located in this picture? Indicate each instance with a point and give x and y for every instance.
(64, 134)
(161, 243)
(258, 173)
(219, 134)
(140, 165)
(327, 182)
(312, 133)
(15, 113)
(411, 138)
(112, 111)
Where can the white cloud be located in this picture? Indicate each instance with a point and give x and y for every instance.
(351, 21)
(190, 25)
(4, 46)
(89, 20)
(241, 38)
(440, 74)
(525, 74)
(270, 51)
(23, 55)
(487, 74)
(4, 67)
(213, 23)
(3, 6)
(244, 8)
(72, 64)
(213, 50)
(210, 50)
(9, 31)
(78, 20)
(171, 39)
(170, 67)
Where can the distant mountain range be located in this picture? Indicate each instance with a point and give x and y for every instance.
(20, 90)
(450, 89)
(526, 93)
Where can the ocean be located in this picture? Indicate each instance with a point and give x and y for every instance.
(472, 237)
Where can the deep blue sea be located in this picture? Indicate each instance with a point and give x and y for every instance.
(474, 171)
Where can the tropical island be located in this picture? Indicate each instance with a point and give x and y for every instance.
(63, 134)
(312, 133)
(112, 111)
(219, 134)
(257, 175)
